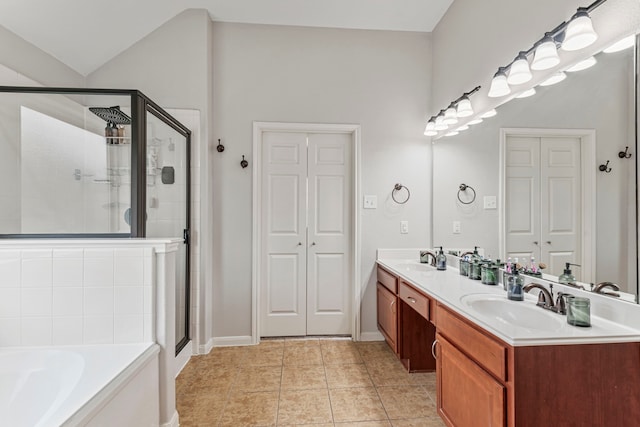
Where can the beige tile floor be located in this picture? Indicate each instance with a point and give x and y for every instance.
(305, 382)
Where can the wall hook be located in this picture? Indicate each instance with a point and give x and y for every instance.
(605, 167)
(624, 154)
(220, 147)
(244, 163)
(463, 188)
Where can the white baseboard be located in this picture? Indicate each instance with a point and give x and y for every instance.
(205, 349)
(174, 422)
(228, 341)
(183, 357)
(371, 336)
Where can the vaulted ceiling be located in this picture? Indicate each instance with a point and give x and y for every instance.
(84, 34)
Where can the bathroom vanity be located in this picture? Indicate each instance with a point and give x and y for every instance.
(506, 363)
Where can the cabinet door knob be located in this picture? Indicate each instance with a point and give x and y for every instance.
(433, 349)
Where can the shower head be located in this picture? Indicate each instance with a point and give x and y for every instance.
(111, 115)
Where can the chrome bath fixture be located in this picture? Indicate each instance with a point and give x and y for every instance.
(399, 187)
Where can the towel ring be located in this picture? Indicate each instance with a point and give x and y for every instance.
(463, 187)
(399, 187)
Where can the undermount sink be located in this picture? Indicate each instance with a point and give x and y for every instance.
(517, 313)
(414, 266)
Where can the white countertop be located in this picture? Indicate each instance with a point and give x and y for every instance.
(448, 287)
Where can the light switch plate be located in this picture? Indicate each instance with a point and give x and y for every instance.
(457, 227)
(490, 202)
(404, 227)
(370, 202)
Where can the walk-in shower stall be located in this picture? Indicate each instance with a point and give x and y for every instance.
(95, 163)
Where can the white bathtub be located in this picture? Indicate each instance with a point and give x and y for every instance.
(80, 385)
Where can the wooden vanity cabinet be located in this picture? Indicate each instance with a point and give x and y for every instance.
(387, 307)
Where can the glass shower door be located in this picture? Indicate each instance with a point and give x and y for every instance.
(167, 169)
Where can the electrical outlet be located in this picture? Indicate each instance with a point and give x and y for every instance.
(404, 227)
(370, 202)
(490, 202)
(457, 227)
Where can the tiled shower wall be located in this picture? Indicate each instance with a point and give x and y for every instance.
(74, 296)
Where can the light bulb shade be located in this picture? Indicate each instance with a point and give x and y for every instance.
(579, 33)
(583, 65)
(499, 86)
(475, 121)
(440, 125)
(450, 117)
(519, 72)
(556, 78)
(464, 107)
(545, 56)
(462, 128)
(527, 93)
(430, 129)
(623, 44)
(488, 114)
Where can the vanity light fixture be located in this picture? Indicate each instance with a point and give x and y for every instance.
(583, 65)
(519, 72)
(579, 33)
(461, 107)
(527, 93)
(489, 114)
(623, 44)
(499, 86)
(464, 107)
(546, 54)
(475, 121)
(450, 116)
(555, 78)
(430, 130)
(440, 125)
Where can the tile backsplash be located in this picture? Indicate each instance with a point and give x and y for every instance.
(71, 296)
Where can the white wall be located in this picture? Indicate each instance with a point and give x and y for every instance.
(599, 98)
(172, 66)
(377, 79)
(26, 59)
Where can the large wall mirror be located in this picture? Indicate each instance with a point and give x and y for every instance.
(540, 157)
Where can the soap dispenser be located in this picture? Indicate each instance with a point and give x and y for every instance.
(475, 255)
(441, 260)
(567, 278)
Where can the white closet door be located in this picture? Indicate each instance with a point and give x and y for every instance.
(560, 203)
(522, 198)
(329, 242)
(283, 296)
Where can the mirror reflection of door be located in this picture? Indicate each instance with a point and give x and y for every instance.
(543, 203)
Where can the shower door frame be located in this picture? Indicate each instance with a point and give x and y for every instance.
(140, 105)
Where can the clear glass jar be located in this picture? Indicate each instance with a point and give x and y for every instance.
(490, 274)
(579, 311)
(464, 267)
(475, 271)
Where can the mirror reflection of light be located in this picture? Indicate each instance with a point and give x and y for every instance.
(583, 65)
(556, 78)
(488, 114)
(527, 93)
(475, 121)
(462, 128)
(623, 44)
(452, 133)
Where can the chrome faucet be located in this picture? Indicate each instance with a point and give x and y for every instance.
(545, 298)
(425, 255)
(600, 289)
(561, 306)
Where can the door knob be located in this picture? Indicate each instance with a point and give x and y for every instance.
(548, 242)
(535, 243)
(313, 244)
(299, 243)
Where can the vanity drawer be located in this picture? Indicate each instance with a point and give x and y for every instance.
(388, 280)
(487, 352)
(414, 299)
